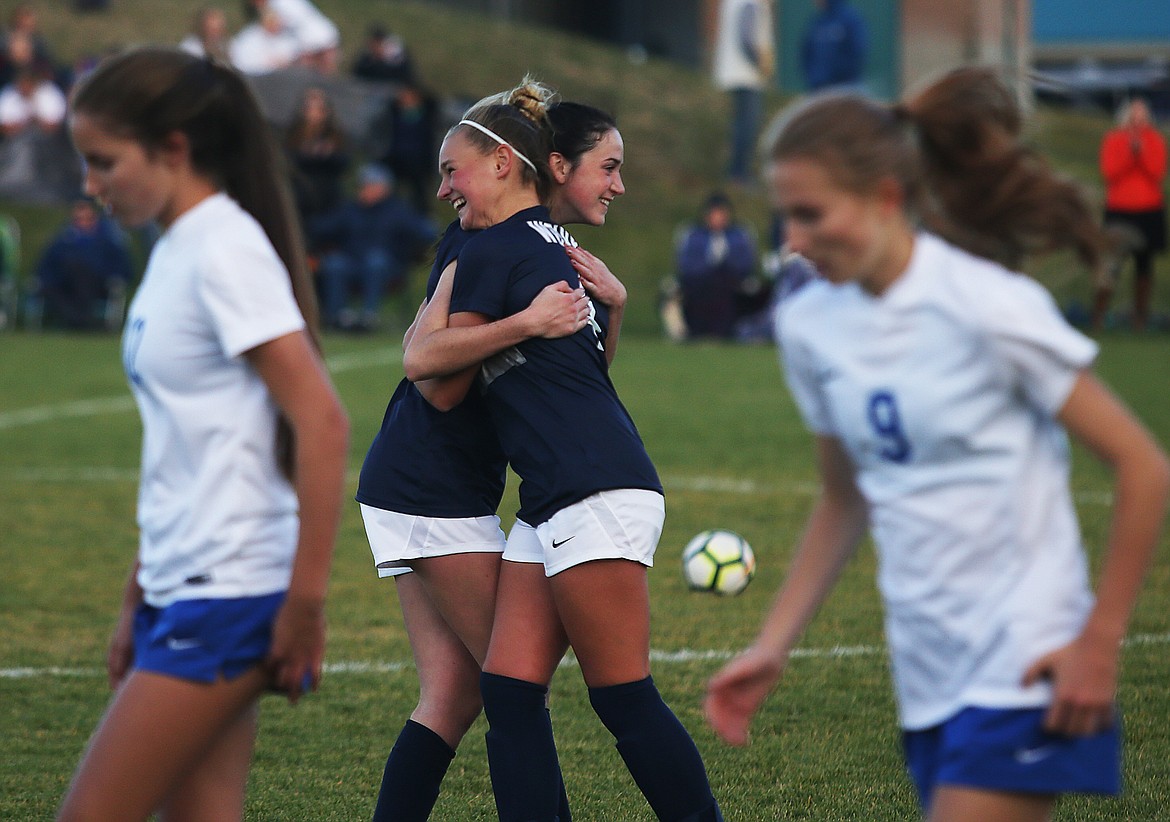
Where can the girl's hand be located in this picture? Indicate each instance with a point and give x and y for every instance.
(597, 279)
(1084, 686)
(120, 653)
(735, 694)
(298, 647)
(559, 310)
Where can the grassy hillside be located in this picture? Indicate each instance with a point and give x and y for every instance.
(673, 120)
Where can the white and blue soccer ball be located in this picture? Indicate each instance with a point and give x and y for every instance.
(719, 562)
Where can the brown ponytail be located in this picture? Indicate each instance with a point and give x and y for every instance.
(955, 149)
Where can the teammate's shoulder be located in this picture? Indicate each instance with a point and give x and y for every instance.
(454, 238)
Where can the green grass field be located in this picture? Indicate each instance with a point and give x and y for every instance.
(716, 419)
(732, 453)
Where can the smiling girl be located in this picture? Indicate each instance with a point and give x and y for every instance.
(591, 506)
(432, 481)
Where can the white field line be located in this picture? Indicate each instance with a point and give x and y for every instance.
(679, 657)
(21, 417)
(696, 484)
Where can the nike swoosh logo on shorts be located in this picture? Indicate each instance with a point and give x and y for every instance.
(556, 544)
(1030, 756)
(176, 644)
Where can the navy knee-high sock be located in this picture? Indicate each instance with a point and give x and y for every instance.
(414, 770)
(522, 757)
(658, 751)
(563, 813)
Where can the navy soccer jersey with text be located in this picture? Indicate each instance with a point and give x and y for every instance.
(556, 412)
(430, 463)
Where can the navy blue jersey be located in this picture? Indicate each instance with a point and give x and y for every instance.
(555, 409)
(429, 463)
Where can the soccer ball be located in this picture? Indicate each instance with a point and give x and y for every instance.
(718, 561)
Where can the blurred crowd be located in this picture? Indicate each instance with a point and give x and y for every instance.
(360, 138)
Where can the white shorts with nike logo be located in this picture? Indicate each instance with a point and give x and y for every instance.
(624, 523)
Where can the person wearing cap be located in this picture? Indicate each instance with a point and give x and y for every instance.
(372, 240)
(715, 257)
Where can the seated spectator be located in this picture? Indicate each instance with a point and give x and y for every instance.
(318, 155)
(85, 265)
(316, 36)
(375, 238)
(31, 101)
(383, 58)
(263, 46)
(716, 259)
(410, 127)
(209, 34)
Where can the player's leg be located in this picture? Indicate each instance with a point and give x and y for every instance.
(156, 730)
(448, 703)
(1143, 288)
(462, 588)
(954, 803)
(598, 551)
(526, 645)
(447, 603)
(216, 788)
(605, 607)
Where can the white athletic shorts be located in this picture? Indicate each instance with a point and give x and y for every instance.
(396, 539)
(621, 524)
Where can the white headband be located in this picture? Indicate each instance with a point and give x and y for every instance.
(499, 140)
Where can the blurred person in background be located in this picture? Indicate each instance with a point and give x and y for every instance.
(384, 58)
(410, 124)
(743, 65)
(31, 101)
(24, 25)
(264, 45)
(716, 259)
(319, 155)
(35, 148)
(833, 50)
(1133, 166)
(371, 242)
(316, 36)
(85, 265)
(209, 34)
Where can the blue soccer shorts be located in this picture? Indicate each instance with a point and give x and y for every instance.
(1009, 750)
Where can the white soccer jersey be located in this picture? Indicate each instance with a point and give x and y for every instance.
(943, 391)
(217, 517)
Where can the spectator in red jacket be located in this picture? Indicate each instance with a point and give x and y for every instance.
(1133, 165)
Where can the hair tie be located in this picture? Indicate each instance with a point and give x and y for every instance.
(499, 140)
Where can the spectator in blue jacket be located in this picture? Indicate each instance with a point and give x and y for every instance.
(81, 268)
(716, 259)
(833, 51)
(372, 240)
